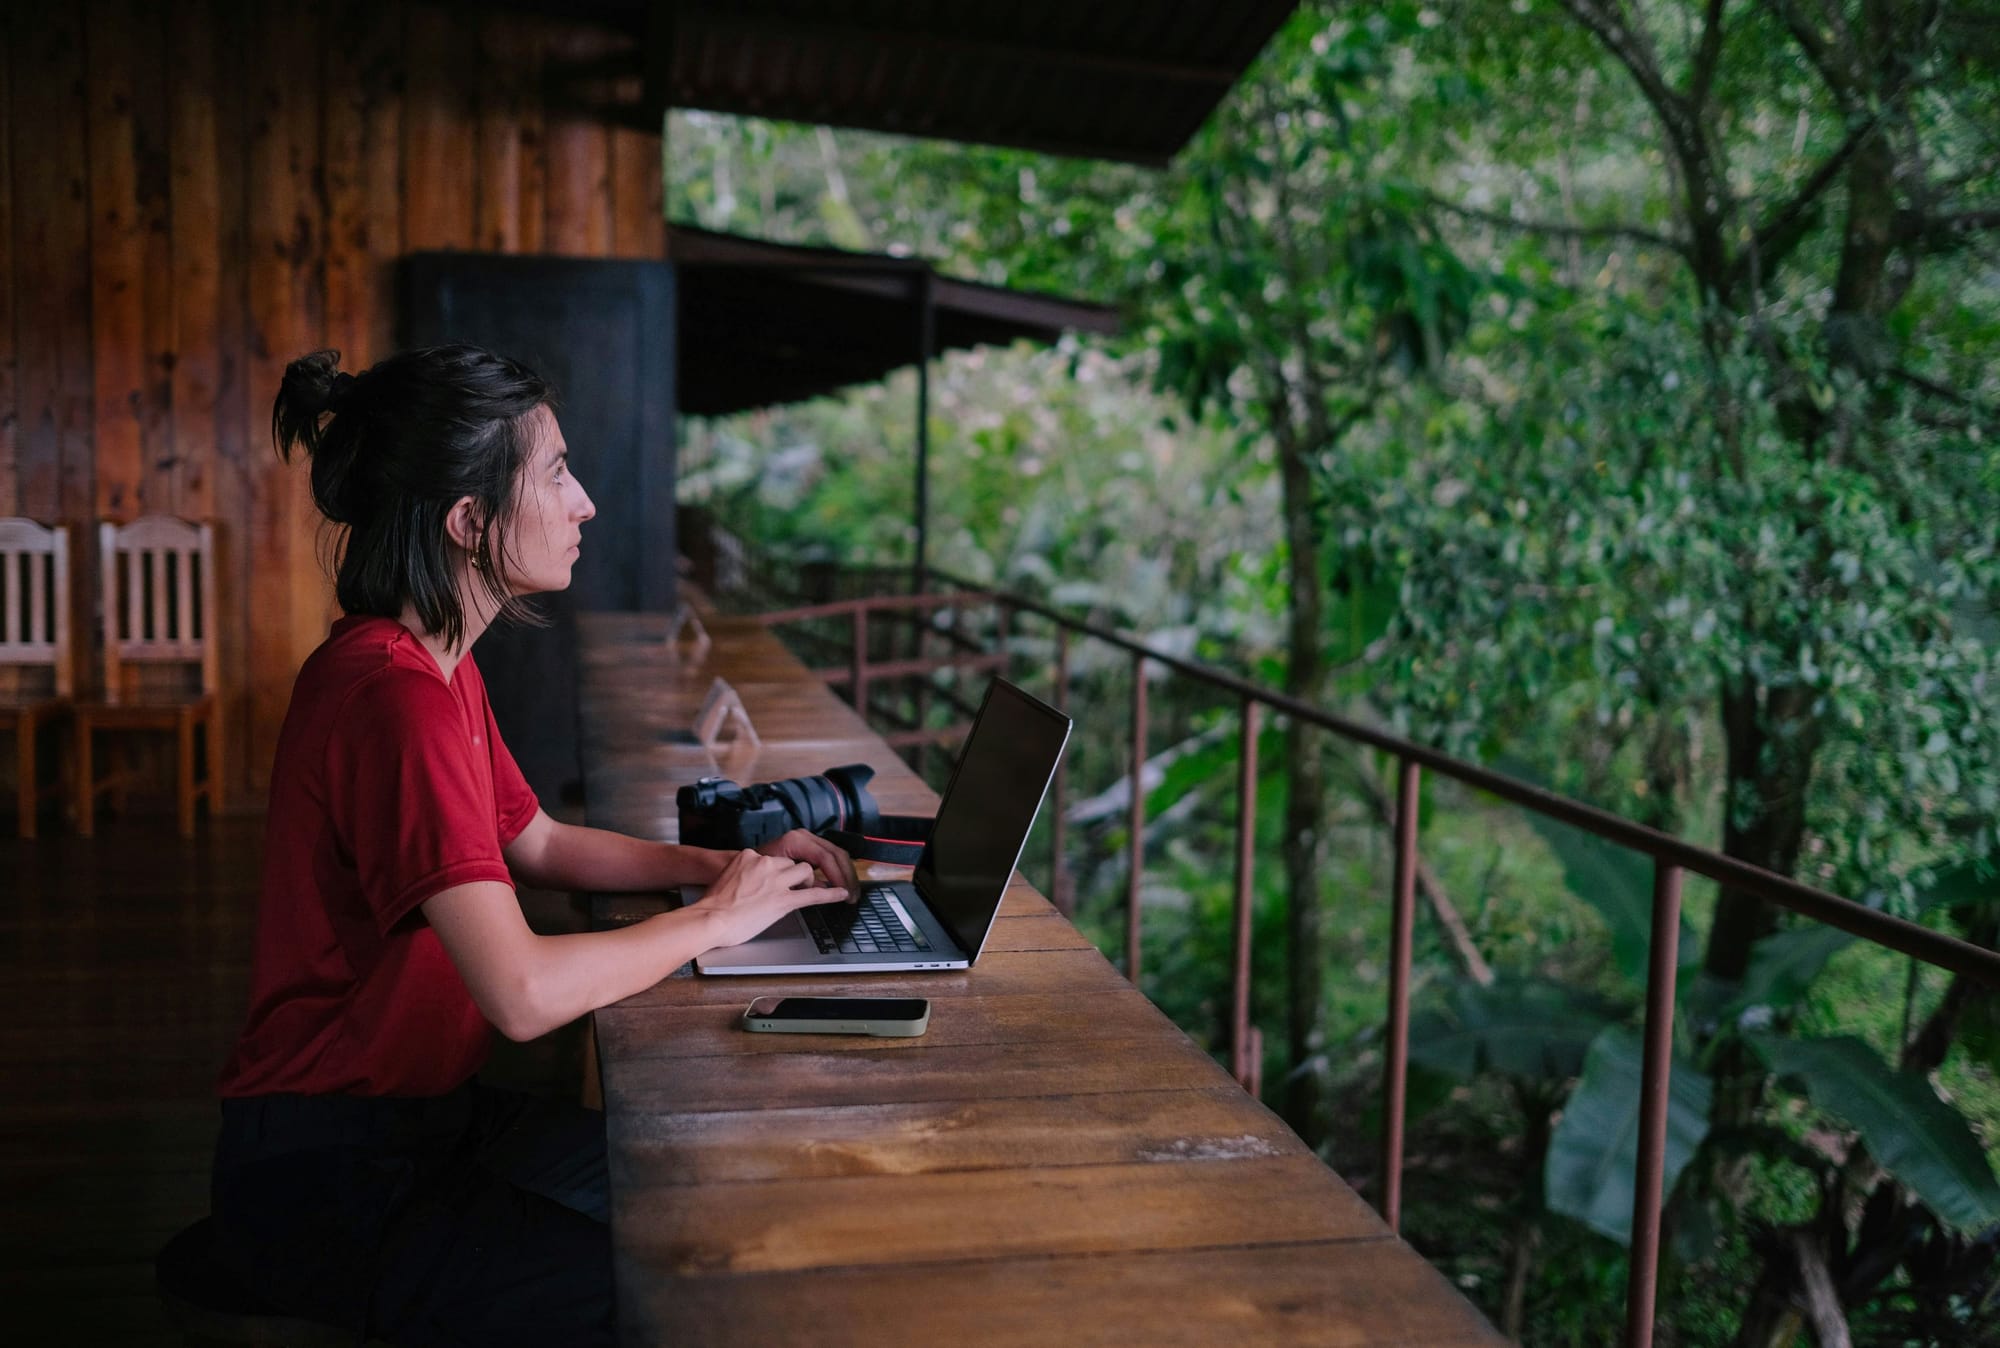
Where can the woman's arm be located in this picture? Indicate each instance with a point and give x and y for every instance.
(528, 984)
(549, 855)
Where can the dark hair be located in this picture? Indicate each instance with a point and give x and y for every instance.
(393, 449)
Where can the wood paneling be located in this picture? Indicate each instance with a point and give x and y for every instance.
(234, 445)
(54, 467)
(287, 318)
(364, 166)
(10, 424)
(439, 131)
(117, 260)
(193, 193)
(195, 345)
(638, 217)
(508, 87)
(579, 152)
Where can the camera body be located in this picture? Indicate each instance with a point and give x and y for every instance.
(716, 812)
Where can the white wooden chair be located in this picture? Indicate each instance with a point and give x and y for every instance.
(34, 648)
(161, 662)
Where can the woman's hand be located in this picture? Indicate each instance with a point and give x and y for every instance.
(821, 855)
(755, 890)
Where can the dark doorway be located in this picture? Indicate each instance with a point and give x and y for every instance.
(603, 332)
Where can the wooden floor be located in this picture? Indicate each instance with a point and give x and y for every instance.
(123, 977)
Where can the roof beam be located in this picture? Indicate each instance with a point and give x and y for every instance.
(694, 15)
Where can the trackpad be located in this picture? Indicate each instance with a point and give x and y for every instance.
(790, 927)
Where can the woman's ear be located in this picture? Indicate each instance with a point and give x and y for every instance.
(462, 525)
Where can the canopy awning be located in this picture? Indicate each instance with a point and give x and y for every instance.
(1128, 80)
(764, 323)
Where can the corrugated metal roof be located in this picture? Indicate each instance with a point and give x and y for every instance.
(1113, 79)
(764, 323)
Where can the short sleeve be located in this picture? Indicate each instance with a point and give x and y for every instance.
(514, 800)
(412, 797)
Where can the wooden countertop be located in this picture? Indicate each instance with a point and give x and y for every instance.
(1053, 1162)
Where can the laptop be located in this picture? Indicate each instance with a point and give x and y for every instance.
(941, 916)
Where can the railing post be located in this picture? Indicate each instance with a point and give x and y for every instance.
(1655, 1082)
(919, 640)
(859, 682)
(1059, 824)
(1396, 1067)
(1138, 818)
(1241, 1044)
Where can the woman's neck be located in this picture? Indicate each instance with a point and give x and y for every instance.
(474, 603)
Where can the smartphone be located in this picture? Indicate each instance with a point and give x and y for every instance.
(891, 1017)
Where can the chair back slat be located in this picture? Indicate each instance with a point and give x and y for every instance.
(158, 573)
(10, 595)
(34, 626)
(184, 596)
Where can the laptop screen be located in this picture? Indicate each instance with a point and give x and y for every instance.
(990, 804)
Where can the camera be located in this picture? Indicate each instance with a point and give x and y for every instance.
(716, 812)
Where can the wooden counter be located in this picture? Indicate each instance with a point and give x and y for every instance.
(1052, 1163)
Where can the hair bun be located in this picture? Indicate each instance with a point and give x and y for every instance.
(314, 386)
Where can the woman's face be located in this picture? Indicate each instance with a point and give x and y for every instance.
(544, 534)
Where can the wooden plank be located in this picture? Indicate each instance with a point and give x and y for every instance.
(364, 165)
(937, 1136)
(579, 156)
(1354, 1294)
(440, 179)
(54, 463)
(10, 420)
(160, 456)
(117, 259)
(286, 310)
(1000, 974)
(502, 91)
(990, 1214)
(196, 156)
(638, 215)
(632, 1036)
(229, 476)
(529, 47)
(855, 1077)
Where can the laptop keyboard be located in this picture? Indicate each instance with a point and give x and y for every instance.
(870, 926)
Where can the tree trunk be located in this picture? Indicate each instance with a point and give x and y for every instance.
(1305, 793)
(1770, 742)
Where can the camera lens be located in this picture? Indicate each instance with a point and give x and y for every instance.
(837, 798)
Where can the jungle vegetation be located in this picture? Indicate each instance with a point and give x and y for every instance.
(1602, 389)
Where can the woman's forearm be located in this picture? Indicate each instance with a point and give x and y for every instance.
(577, 973)
(599, 861)
(528, 984)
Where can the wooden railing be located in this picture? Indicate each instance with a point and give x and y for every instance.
(1672, 858)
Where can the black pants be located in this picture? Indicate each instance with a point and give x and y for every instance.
(477, 1218)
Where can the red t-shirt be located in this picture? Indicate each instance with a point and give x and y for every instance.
(391, 785)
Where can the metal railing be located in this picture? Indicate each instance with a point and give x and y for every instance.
(1673, 858)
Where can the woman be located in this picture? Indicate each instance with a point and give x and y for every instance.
(364, 1177)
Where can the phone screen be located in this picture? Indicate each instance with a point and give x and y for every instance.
(845, 1008)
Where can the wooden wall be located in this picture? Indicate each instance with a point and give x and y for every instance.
(193, 192)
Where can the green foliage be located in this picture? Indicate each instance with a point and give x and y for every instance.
(1618, 883)
(1532, 1031)
(1915, 1136)
(1718, 550)
(1594, 1151)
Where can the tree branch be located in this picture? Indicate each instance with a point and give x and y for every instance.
(1943, 233)
(1551, 229)
(1836, 74)
(1634, 54)
(1457, 934)
(1706, 55)
(1783, 230)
